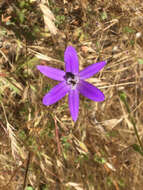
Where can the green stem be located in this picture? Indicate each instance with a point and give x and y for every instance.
(123, 98)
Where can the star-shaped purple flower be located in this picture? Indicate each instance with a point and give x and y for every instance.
(72, 82)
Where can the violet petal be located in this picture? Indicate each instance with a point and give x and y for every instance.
(71, 60)
(90, 91)
(55, 94)
(51, 72)
(74, 103)
(91, 70)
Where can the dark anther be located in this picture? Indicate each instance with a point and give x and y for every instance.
(72, 82)
(69, 75)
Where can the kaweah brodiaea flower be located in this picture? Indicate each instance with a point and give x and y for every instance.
(72, 82)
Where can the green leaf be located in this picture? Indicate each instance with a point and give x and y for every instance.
(29, 188)
(123, 96)
(98, 159)
(2, 31)
(21, 4)
(21, 16)
(128, 29)
(121, 183)
(132, 42)
(138, 149)
(103, 15)
(32, 62)
(10, 83)
(140, 61)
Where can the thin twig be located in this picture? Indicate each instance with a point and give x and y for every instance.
(57, 137)
(115, 85)
(27, 168)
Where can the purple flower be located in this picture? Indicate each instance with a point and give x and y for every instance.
(72, 82)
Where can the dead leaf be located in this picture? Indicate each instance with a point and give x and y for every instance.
(84, 3)
(81, 147)
(86, 49)
(77, 186)
(110, 166)
(48, 19)
(112, 122)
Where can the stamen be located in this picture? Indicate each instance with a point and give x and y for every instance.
(69, 75)
(71, 79)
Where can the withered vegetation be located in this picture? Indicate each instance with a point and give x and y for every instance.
(40, 147)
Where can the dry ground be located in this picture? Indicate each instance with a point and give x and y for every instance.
(40, 147)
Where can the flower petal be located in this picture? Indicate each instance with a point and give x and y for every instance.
(71, 60)
(91, 70)
(90, 91)
(55, 94)
(51, 72)
(74, 103)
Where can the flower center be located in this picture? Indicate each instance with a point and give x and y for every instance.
(71, 79)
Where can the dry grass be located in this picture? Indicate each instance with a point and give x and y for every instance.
(40, 147)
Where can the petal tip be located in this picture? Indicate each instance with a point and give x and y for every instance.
(38, 67)
(102, 97)
(44, 101)
(104, 62)
(75, 118)
(70, 47)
